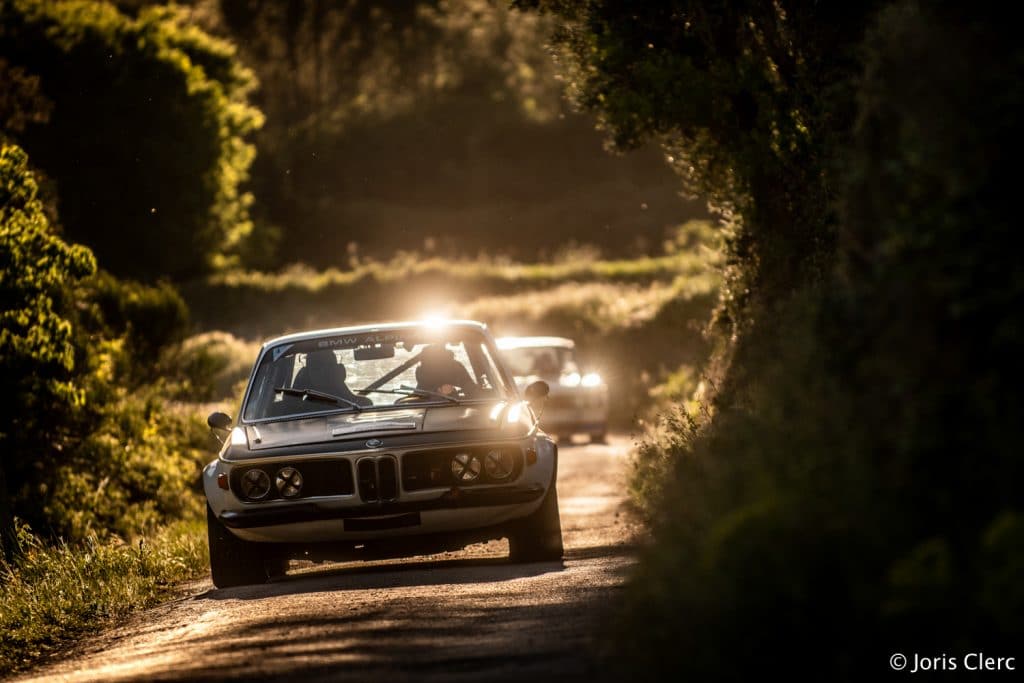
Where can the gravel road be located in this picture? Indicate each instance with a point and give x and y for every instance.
(466, 616)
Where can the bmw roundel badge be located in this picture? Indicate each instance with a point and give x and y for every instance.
(374, 443)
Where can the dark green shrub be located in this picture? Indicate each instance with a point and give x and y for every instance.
(150, 318)
(39, 357)
(145, 142)
(853, 488)
(86, 447)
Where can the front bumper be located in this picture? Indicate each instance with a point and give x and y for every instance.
(346, 517)
(455, 499)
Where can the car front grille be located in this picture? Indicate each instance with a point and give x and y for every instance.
(378, 478)
(387, 477)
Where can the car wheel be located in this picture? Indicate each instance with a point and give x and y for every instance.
(234, 562)
(599, 437)
(538, 538)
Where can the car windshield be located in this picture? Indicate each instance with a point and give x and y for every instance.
(545, 362)
(371, 371)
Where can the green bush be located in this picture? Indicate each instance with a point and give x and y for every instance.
(38, 352)
(145, 142)
(148, 318)
(89, 445)
(851, 488)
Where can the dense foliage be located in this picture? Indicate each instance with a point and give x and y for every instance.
(145, 138)
(428, 125)
(87, 445)
(851, 491)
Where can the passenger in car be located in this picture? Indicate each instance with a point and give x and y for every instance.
(439, 372)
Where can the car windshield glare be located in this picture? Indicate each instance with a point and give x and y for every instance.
(373, 370)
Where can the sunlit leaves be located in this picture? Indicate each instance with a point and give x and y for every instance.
(36, 268)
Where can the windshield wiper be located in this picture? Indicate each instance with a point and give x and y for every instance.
(318, 396)
(408, 391)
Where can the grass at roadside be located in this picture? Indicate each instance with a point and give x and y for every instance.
(588, 308)
(257, 305)
(489, 274)
(55, 593)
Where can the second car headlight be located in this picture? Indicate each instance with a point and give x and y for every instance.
(255, 484)
(465, 467)
(288, 482)
(499, 464)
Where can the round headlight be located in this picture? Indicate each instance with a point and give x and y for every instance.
(255, 484)
(498, 464)
(288, 482)
(465, 467)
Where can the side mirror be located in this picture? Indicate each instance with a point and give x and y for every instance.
(537, 391)
(219, 421)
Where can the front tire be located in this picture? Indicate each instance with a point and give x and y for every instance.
(234, 562)
(538, 538)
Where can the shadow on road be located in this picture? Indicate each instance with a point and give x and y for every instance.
(608, 551)
(377, 576)
(455, 571)
(453, 619)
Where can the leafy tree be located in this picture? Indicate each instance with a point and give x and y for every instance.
(146, 139)
(427, 124)
(85, 446)
(751, 102)
(341, 81)
(37, 353)
(851, 490)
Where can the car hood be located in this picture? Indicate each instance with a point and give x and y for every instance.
(369, 424)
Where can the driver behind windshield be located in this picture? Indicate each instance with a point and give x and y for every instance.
(440, 373)
(325, 374)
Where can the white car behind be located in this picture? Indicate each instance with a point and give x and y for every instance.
(578, 402)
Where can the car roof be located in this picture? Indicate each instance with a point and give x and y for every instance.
(535, 342)
(375, 327)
